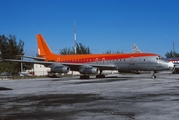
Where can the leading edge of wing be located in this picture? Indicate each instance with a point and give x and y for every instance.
(100, 66)
(27, 61)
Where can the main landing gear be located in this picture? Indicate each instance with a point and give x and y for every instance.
(100, 75)
(84, 76)
(153, 74)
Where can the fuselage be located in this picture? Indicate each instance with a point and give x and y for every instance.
(123, 62)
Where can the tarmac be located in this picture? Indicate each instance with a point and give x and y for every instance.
(126, 97)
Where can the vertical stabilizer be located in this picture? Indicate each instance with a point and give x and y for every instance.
(43, 49)
(135, 49)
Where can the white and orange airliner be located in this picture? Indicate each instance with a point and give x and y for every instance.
(88, 64)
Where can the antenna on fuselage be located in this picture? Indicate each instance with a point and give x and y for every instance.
(173, 44)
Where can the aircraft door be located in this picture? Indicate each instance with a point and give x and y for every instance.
(58, 59)
(96, 60)
(103, 60)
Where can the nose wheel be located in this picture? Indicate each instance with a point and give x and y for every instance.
(153, 74)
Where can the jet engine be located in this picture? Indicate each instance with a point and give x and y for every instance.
(58, 68)
(88, 70)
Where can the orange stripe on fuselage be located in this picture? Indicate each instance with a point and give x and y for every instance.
(84, 58)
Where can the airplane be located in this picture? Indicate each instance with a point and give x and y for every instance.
(88, 64)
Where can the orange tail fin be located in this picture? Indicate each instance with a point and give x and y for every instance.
(43, 49)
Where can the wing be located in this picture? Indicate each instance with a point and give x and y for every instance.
(73, 66)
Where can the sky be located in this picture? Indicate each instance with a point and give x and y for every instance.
(100, 24)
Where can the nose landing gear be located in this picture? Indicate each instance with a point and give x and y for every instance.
(153, 74)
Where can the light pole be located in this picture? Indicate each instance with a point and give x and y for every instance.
(173, 44)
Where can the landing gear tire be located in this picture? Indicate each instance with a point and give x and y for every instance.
(100, 76)
(153, 77)
(84, 77)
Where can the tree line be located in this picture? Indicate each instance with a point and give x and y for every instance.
(172, 54)
(9, 49)
(80, 49)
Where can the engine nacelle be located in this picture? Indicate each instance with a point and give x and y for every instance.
(89, 70)
(59, 68)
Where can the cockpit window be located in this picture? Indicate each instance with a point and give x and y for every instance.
(160, 58)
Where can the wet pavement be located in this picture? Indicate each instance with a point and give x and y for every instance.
(127, 97)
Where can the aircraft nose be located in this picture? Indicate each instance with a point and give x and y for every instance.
(170, 65)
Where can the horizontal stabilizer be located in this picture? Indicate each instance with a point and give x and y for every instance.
(35, 58)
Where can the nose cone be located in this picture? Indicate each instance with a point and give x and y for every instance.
(170, 65)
